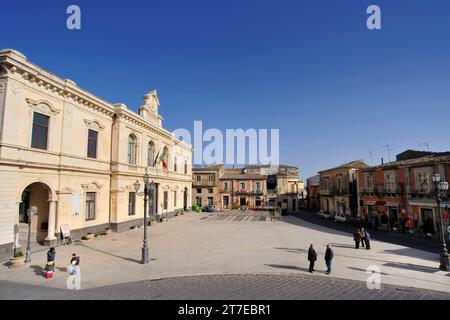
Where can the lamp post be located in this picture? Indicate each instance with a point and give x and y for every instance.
(441, 189)
(30, 213)
(147, 190)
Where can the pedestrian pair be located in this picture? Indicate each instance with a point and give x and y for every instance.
(312, 258)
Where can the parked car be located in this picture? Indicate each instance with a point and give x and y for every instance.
(358, 222)
(210, 208)
(340, 217)
(325, 215)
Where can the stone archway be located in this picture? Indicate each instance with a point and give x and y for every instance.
(39, 195)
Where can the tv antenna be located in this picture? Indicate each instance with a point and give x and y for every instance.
(388, 149)
(425, 144)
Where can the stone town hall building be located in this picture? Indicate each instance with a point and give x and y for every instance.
(76, 157)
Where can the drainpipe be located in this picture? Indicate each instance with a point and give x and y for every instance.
(110, 169)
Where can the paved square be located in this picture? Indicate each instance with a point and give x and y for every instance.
(217, 244)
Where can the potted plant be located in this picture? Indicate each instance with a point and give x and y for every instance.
(89, 236)
(18, 260)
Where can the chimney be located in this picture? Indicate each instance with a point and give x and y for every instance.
(382, 161)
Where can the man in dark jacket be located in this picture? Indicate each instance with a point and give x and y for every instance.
(363, 236)
(357, 236)
(329, 255)
(312, 257)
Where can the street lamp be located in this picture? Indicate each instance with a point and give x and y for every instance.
(441, 189)
(30, 213)
(147, 191)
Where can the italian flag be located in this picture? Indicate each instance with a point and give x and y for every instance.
(161, 159)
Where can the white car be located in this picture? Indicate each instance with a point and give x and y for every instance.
(325, 215)
(340, 217)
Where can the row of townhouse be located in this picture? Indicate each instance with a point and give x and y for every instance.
(253, 187)
(388, 194)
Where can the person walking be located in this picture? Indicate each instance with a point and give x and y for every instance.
(367, 240)
(50, 266)
(74, 263)
(409, 225)
(357, 236)
(363, 236)
(312, 257)
(329, 255)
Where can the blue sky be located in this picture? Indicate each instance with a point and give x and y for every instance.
(311, 68)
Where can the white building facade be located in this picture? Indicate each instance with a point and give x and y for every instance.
(75, 157)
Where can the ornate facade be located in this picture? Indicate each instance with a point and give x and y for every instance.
(75, 157)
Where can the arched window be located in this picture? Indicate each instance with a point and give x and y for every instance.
(151, 154)
(132, 149)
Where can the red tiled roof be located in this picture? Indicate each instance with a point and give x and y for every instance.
(442, 157)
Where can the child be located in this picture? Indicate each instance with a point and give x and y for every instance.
(74, 262)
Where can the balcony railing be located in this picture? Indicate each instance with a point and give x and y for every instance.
(249, 192)
(203, 183)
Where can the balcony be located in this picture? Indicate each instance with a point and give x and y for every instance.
(339, 191)
(389, 190)
(421, 193)
(203, 183)
(249, 192)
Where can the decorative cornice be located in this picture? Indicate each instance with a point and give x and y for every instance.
(65, 190)
(65, 89)
(16, 65)
(91, 186)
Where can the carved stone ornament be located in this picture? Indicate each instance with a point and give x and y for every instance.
(151, 101)
(94, 125)
(92, 186)
(43, 106)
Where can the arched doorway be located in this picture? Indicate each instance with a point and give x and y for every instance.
(37, 195)
(185, 199)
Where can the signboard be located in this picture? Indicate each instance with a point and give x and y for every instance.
(65, 231)
(76, 204)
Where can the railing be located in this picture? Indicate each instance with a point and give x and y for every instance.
(203, 183)
(250, 192)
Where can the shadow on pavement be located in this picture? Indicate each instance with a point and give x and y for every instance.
(110, 254)
(38, 270)
(365, 271)
(294, 250)
(409, 266)
(407, 253)
(341, 245)
(385, 263)
(311, 220)
(281, 266)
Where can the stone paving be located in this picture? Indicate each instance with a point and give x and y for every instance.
(209, 244)
(227, 287)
